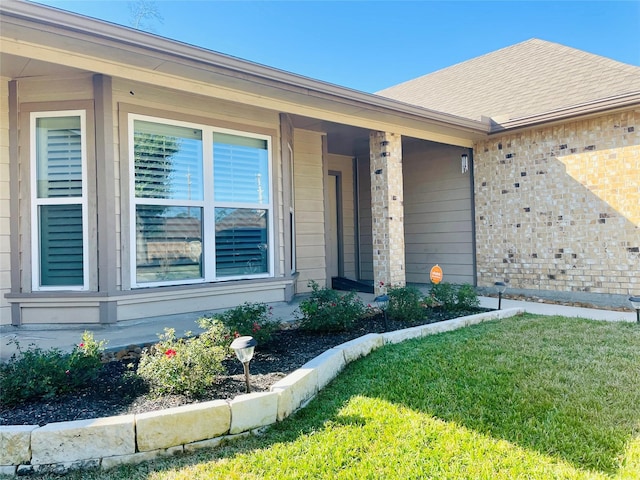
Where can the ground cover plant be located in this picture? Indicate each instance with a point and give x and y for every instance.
(35, 373)
(527, 397)
(176, 371)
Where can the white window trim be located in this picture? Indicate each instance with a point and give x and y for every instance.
(208, 204)
(37, 202)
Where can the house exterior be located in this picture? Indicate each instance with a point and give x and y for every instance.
(140, 176)
(557, 180)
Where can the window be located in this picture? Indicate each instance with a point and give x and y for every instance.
(201, 209)
(59, 206)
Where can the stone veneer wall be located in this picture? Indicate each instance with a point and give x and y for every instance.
(558, 207)
(387, 209)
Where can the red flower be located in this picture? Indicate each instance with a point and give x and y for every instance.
(236, 334)
(382, 284)
(81, 345)
(170, 353)
(256, 327)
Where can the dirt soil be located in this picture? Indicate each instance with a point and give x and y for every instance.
(117, 392)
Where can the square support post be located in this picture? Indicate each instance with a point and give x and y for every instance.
(387, 210)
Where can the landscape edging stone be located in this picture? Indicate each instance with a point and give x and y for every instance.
(294, 391)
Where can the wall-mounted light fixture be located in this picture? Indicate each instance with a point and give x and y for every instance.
(465, 162)
(384, 143)
(378, 171)
(386, 154)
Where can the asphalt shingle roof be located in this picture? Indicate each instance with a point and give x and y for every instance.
(525, 79)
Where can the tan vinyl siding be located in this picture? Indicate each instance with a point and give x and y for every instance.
(344, 165)
(198, 108)
(278, 208)
(309, 201)
(56, 89)
(437, 214)
(364, 219)
(5, 219)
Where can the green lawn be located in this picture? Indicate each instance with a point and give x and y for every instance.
(527, 397)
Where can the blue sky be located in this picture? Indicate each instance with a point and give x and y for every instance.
(371, 45)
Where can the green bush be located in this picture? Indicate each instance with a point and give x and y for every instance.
(186, 366)
(35, 373)
(444, 295)
(405, 304)
(467, 297)
(253, 319)
(327, 310)
(452, 297)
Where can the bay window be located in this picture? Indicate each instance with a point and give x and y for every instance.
(201, 207)
(59, 200)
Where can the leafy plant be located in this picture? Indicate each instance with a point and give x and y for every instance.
(405, 304)
(467, 297)
(35, 373)
(452, 297)
(327, 310)
(187, 365)
(445, 295)
(253, 319)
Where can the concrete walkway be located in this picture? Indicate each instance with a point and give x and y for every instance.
(146, 330)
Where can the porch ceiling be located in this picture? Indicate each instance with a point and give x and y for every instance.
(341, 139)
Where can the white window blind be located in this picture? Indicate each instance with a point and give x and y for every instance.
(201, 203)
(59, 206)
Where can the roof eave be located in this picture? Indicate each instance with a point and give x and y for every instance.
(138, 40)
(595, 107)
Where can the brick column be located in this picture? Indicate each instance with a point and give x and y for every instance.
(387, 209)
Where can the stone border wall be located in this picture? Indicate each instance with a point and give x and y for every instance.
(111, 441)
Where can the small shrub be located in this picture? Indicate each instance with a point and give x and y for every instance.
(186, 366)
(467, 297)
(35, 373)
(327, 310)
(405, 304)
(445, 295)
(253, 319)
(452, 297)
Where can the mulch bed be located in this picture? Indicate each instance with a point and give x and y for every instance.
(117, 392)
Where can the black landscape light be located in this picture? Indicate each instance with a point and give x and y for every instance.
(244, 346)
(382, 302)
(501, 287)
(635, 303)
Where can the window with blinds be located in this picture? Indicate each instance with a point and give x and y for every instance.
(201, 203)
(59, 205)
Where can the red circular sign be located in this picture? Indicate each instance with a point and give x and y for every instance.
(436, 274)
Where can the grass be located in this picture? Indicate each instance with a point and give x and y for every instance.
(529, 397)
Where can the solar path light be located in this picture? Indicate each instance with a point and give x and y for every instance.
(635, 303)
(501, 287)
(244, 346)
(382, 302)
